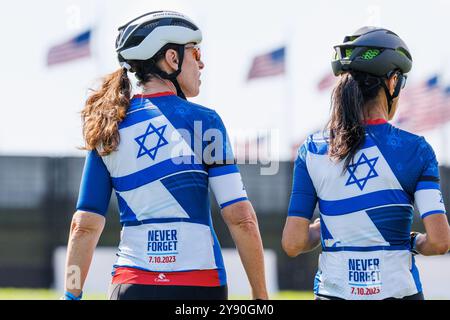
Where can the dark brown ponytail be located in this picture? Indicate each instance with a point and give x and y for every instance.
(346, 127)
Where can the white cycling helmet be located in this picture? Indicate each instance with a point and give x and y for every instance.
(146, 36)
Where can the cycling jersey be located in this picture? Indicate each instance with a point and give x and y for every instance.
(366, 210)
(170, 152)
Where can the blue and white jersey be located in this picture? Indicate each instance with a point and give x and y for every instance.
(366, 211)
(170, 152)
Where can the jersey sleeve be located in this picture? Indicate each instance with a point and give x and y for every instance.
(428, 195)
(96, 187)
(224, 177)
(303, 197)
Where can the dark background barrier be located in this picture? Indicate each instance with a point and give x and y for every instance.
(38, 197)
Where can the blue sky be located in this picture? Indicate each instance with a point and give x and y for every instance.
(41, 106)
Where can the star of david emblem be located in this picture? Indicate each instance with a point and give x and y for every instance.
(153, 136)
(365, 173)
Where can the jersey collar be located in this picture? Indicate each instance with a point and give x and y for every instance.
(373, 122)
(153, 95)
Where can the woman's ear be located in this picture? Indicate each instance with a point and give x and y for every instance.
(171, 59)
(392, 82)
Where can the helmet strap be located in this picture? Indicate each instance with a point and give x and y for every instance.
(150, 66)
(390, 97)
(173, 76)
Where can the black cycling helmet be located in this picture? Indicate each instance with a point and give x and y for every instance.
(147, 37)
(377, 52)
(372, 50)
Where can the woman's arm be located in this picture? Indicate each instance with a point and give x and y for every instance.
(436, 240)
(85, 232)
(430, 204)
(300, 236)
(243, 225)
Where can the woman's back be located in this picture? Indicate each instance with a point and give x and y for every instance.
(367, 210)
(160, 173)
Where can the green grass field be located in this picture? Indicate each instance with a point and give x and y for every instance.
(46, 294)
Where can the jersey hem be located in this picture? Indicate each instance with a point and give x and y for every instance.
(229, 203)
(432, 213)
(199, 278)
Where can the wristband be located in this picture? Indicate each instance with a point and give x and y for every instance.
(412, 242)
(70, 296)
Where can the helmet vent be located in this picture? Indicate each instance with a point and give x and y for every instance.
(183, 23)
(370, 54)
(404, 52)
(151, 25)
(348, 52)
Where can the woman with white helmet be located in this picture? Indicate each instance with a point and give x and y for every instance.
(160, 153)
(366, 175)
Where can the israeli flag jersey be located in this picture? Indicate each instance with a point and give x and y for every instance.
(366, 211)
(170, 153)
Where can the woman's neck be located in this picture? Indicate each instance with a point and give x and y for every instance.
(157, 86)
(376, 110)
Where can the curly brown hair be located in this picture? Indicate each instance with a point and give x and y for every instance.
(103, 112)
(107, 107)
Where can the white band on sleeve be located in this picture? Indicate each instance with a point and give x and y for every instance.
(429, 201)
(228, 189)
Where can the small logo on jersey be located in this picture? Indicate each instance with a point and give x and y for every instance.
(394, 142)
(364, 168)
(161, 278)
(442, 197)
(160, 141)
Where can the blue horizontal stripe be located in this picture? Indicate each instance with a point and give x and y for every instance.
(223, 170)
(139, 116)
(365, 284)
(187, 185)
(164, 220)
(161, 254)
(365, 249)
(366, 201)
(186, 180)
(427, 185)
(429, 213)
(226, 204)
(155, 172)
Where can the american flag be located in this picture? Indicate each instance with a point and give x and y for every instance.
(326, 82)
(75, 48)
(269, 64)
(424, 106)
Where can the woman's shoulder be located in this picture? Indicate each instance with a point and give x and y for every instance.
(407, 138)
(197, 109)
(190, 112)
(401, 144)
(315, 143)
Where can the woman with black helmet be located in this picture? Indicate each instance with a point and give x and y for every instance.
(366, 175)
(160, 153)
